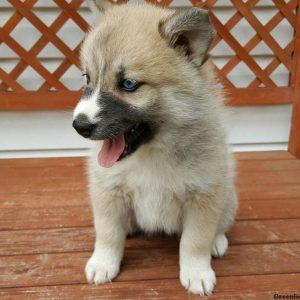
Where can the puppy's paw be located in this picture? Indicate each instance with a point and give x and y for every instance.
(220, 246)
(197, 281)
(99, 271)
(197, 277)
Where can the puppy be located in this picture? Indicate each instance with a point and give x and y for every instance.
(160, 161)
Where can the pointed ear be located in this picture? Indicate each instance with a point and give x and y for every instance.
(189, 30)
(98, 6)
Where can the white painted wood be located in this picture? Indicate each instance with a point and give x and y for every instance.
(261, 124)
(45, 133)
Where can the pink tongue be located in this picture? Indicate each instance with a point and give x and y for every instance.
(111, 151)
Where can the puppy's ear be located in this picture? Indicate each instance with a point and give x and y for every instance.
(189, 30)
(98, 6)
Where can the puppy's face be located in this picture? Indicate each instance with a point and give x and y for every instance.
(131, 62)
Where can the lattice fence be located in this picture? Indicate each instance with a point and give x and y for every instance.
(54, 93)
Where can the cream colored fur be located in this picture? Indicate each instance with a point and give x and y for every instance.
(182, 180)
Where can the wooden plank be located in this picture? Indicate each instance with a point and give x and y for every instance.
(78, 184)
(75, 161)
(73, 179)
(77, 216)
(77, 168)
(242, 287)
(57, 209)
(49, 217)
(58, 171)
(271, 192)
(269, 178)
(33, 176)
(294, 140)
(76, 239)
(267, 165)
(262, 155)
(68, 198)
(42, 196)
(44, 199)
(259, 96)
(43, 162)
(67, 99)
(264, 209)
(38, 100)
(23, 174)
(262, 172)
(264, 231)
(47, 240)
(31, 186)
(146, 264)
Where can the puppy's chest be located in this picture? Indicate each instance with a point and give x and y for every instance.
(157, 210)
(157, 195)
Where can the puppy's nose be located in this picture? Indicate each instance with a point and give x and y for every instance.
(83, 127)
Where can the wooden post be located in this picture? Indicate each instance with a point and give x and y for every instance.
(294, 141)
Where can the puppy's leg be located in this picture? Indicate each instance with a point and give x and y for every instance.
(200, 221)
(220, 244)
(110, 217)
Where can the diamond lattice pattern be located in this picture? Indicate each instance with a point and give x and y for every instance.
(39, 51)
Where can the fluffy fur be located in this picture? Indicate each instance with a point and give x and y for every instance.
(182, 180)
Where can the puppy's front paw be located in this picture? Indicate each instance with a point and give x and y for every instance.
(99, 270)
(198, 281)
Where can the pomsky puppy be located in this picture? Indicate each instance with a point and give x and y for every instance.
(160, 162)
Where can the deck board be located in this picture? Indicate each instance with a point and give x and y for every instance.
(146, 264)
(38, 241)
(235, 287)
(46, 236)
(49, 215)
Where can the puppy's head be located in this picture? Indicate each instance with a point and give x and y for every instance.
(136, 61)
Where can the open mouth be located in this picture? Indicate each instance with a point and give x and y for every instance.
(124, 144)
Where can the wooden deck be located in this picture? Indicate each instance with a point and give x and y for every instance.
(46, 236)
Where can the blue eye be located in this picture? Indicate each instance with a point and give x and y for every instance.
(129, 85)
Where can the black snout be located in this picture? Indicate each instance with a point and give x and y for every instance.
(83, 126)
(114, 117)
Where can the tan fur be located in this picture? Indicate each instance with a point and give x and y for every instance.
(182, 180)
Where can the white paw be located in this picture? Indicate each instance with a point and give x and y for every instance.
(220, 246)
(198, 281)
(99, 271)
